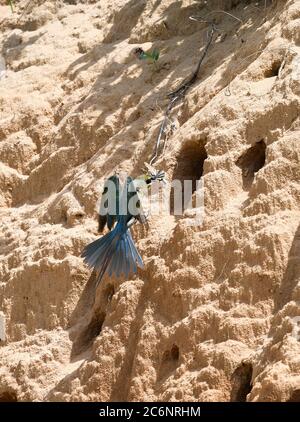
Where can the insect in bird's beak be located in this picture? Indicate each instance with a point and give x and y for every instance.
(154, 174)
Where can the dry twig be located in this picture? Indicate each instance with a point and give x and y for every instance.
(180, 92)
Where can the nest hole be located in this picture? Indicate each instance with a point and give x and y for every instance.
(8, 396)
(79, 214)
(295, 396)
(251, 162)
(189, 170)
(169, 361)
(171, 355)
(88, 335)
(241, 382)
(174, 352)
(95, 326)
(273, 70)
(109, 292)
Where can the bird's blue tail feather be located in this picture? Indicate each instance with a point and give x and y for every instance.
(114, 253)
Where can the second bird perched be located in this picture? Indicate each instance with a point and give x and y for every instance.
(151, 56)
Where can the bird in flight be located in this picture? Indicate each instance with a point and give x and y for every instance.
(115, 253)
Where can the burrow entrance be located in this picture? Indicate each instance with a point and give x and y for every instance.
(251, 162)
(295, 396)
(189, 167)
(273, 70)
(241, 382)
(89, 333)
(169, 361)
(8, 396)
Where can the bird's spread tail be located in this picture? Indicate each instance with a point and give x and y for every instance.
(114, 253)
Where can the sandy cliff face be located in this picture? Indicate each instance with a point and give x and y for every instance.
(214, 314)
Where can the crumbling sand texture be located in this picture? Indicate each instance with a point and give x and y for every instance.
(213, 317)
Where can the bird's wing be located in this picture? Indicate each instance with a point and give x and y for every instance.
(109, 206)
(155, 54)
(134, 201)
